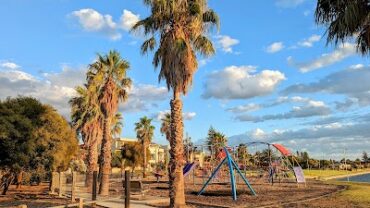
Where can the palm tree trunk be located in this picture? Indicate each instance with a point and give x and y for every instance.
(106, 158)
(92, 163)
(144, 165)
(176, 177)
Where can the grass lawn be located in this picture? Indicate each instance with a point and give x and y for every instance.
(322, 174)
(356, 192)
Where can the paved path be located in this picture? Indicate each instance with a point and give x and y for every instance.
(118, 202)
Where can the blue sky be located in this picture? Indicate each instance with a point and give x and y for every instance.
(273, 77)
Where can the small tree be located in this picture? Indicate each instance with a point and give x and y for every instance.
(365, 158)
(144, 131)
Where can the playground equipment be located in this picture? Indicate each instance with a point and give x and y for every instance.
(279, 166)
(231, 165)
(188, 168)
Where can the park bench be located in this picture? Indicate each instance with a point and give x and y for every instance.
(137, 187)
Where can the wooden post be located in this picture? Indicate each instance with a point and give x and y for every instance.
(60, 184)
(94, 185)
(127, 189)
(73, 191)
(54, 179)
(81, 203)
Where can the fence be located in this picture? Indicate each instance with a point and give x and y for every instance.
(75, 185)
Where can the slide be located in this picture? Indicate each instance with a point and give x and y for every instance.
(298, 172)
(188, 167)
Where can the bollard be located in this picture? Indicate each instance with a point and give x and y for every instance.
(127, 189)
(73, 189)
(60, 183)
(53, 186)
(94, 185)
(81, 203)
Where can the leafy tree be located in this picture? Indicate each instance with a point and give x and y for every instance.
(180, 27)
(345, 20)
(108, 75)
(34, 138)
(132, 154)
(144, 131)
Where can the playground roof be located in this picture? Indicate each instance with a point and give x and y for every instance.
(282, 149)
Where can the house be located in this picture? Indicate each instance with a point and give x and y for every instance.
(158, 153)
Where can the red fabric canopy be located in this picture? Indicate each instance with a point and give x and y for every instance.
(282, 149)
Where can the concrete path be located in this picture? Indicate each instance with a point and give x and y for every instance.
(118, 202)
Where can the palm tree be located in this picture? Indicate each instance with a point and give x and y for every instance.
(108, 75)
(144, 131)
(346, 19)
(180, 27)
(216, 141)
(87, 120)
(117, 125)
(166, 126)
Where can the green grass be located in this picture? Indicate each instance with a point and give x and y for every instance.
(322, 174)
(356, 192)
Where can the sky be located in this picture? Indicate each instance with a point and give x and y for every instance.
(273, 77)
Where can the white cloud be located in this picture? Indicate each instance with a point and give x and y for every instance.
(244, 108)
(306, 13)
(226, 43)
(330, 139)
(128, 19)
(342, 52)
(186, 115)
(308, 108)
(275, 47)
(142, 97)
(308, 43)
(352, 82)
(241, 82)
(8, 65)
(288, 3)
(93, 21)
(258, 134)
(57, 88)
(54, 88)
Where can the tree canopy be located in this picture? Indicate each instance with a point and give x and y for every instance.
(34, 137)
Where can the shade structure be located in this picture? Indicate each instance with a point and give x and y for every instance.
(284, 151)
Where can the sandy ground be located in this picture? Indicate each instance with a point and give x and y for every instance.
(33, 196)
(285, 194)
(279, 195)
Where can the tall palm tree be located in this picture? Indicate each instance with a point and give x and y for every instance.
(166, 126)
(144, 131)
(87, 120)
(346, 19)
(180, 26)
(108, 75)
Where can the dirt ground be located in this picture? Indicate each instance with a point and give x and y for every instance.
(285, 194)
(33, 196)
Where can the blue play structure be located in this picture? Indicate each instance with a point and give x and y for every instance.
(232, 165)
